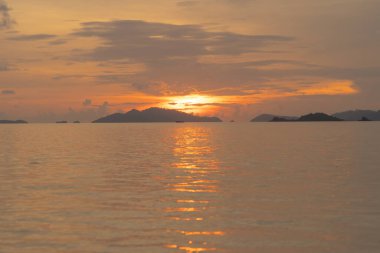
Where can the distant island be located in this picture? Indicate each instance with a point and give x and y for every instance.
(61, 122)
(356, 115)
(13, 122)
(309, 117)
(364, 119)
(271, 117)
(154, 114)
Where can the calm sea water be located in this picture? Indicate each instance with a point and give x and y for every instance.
(264, 187)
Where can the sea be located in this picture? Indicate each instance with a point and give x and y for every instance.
(190, 188)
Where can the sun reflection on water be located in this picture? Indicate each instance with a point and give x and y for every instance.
(195, 186)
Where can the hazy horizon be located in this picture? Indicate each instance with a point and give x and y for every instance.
(73, 119)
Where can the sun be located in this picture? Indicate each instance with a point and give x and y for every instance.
(191, 100)
(193, 103)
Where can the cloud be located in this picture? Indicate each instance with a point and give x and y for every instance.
(343, 87)
(171, 54)
(8, 92)
(187, 3)
(32, 37)
(161, 88)
(86, 115)
(191, 3)
(183, 59)
(153, 88)
(159, 42)
(87, 102)
(3, 67)
(57, 42)
(297, 54)
(5, 18)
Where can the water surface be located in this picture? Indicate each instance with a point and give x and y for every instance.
(116, 188)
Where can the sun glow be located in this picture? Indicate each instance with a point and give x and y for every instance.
(192, 103)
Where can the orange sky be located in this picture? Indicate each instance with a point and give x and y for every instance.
(233, 59)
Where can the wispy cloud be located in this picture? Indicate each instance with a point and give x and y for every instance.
(32, 37)
(87, 102)
(57, 42)
(172, 54)
(187, 3)
(5, 18)
(157, 42)
(8, 92)
(4, 67)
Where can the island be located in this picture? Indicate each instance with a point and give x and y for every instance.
(154, 114)
(13, 122)
(353, 115)
(319, 116)
(61, 122)
(281, 119)
(364, 119)
(358, 115)
(271, 117)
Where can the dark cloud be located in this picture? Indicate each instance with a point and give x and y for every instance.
(187, 3)
(272, 62)
(328, 72)
(153, 88)
(3, 67)
(5, 18)
(158, 42)
(3, 115)
(8, 92)
(57, 42)
(171, 54)
(191, 3)
(32, 37)
(175, 60)
(87, 102)
(61, 77)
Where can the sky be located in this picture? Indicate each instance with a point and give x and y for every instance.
(81, 60)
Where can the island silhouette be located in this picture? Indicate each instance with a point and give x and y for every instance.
(353, 115)
(13, 122)
(364, 119)
(270, 117)
(319, 116)
(155, 114)
(357, 115)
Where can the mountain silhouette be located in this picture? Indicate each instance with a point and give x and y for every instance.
(280, 119)
(271, 117)
(357, 115)
(13, 122)
(154, 114)
(319, 116)
(364, 119)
